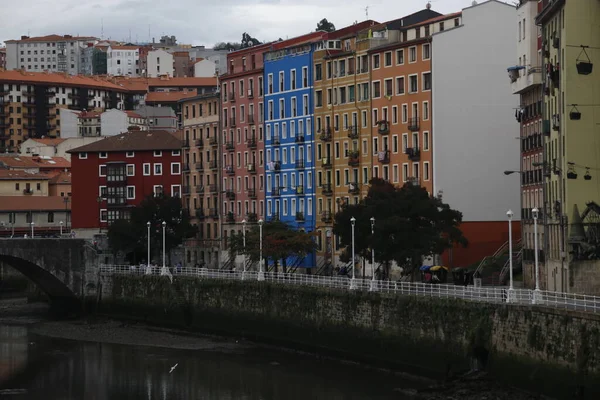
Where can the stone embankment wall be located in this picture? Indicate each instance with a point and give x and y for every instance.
(545, 350)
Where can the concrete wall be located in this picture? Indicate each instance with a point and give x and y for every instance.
(159, 63)
(69, 125)
(204, 69)
(547, 350)
(473, 132)
(113, 122)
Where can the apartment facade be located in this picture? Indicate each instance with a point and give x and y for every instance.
(469, 122)
(23, 183)
(123, 60)
(30, 102)
(242, 138)
(526, 81)
(114, 174)
(159, 63)
(202, 177)
(53, 53)
(570, 38)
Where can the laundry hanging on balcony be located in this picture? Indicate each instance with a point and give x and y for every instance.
(381, 155)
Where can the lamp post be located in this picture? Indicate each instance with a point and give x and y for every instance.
(148, 260)
(244, 242)
(353, 280)
(510, 295)
(373, 282)
(61, 225)
(536, 294)
(261, 273)
(32, 223)
(164, 226)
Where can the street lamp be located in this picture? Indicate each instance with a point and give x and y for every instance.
(32, 223)
(536, 293)
(244, 239)
(261, 273)
(509, 297)
(164, 226)
(353, 280)
(148, 261)
(373, 283)
(61, 225)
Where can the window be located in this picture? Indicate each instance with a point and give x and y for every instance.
(427, 81)
(376, 89)
(318, 72)
(157, 190)
(375, 61)
(399, 85)
(425, 141)
(51, 216)
(425, 110)
(426, 171)
(400, 57)
(102, 170)
(130, 169)
(426, 51)
(146, 169)
(103, 154)
(83, 156)
(176, 153)
(389, 87)
(130, 154)
(175, 168)
(412, 54)
(130, 192)
(388, 59)
(157, 169)
(413, 84)
(157, 153)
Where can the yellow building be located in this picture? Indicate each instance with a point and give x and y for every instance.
(23, 183)
(202, 176)
(571, 128)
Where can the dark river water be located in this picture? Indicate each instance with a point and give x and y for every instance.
(35, 367)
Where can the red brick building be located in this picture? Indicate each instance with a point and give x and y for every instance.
(115, 174)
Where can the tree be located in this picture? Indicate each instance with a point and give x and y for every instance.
(410, 225)
(280, 242)
(325, 26)
(131, 235)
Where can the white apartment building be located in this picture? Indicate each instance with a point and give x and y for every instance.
(52, 53)
(160, 62)
(112, 122)
(204, 69)
(123, 60)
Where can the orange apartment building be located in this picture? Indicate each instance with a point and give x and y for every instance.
(201, 176)
(401, 100)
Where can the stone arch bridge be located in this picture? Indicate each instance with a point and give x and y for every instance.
(65, 269)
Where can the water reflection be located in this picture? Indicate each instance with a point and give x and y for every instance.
(59, 369)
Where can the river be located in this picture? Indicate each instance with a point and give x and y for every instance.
(34, 366)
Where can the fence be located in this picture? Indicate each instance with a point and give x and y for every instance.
(570, 301)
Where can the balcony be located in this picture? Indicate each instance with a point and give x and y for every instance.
(277, 165)
(200, 143)
(384, 127)
(326, 216)
(327, 189)
(276, 140)
(250, 93)
(186, 190)
(300, 164)
(199, 166)
(413, 153)
(250, 119)
(353, 132)
(200, 189)
(230, 194)
(230, 145)
(232, 122)
(383, 157)
(27, 92)
(251, 168)
(4, 92)
(252, 217)
(414, 124)
(251, 142)
(300, 217)
(213, 141)
(212, 164)
(299, 138)
(185, 144)
(252, 193)
(325, 134)
(231, 97)
(532, 77)
(200, 214)
(300, 190)
(354, 188)
(214, 188)
(27, 191)
(276, 192)
(326, 163)
(353, 158)
(29, 114)
(213, 213)
(229, 218)
(229, 170)
(186, 167)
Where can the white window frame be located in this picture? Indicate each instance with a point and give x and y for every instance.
(176, 153)
(178, 166)
(149, 166)
(157, 186)
(103, 154)
(426, 168)
(173, 187)
(130, 154)
(83, 156)
(423, 114)
(127, 192)
(154, 169)
(410, 91)
(423, 51)
(127, 169)
(416, 54)
(157, 153)
(100, 170)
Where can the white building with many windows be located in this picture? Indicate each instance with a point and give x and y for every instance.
(123, 60)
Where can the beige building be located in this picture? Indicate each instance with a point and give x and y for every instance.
(202, 175)
(46, 215)
(54, 147)
(22, 183)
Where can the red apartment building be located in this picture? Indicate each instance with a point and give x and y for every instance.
(115, 174)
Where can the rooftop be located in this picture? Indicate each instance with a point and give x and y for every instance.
(124, 47)
(49, 141)
(169, 97)
(62, 178)
(34, 203)
(18, 162)
(133, 141)
(11, 174)
(51, 38)
(57, 79)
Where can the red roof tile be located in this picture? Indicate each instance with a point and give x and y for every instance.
(18, 162)
(34, 203)
(57, 79)
(169, 97)
(9, 175)
(62, 178)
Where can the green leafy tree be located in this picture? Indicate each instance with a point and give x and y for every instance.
(131, 235)
(409, 225)
(280, 241)
(325, 26)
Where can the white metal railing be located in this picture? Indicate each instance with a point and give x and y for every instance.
(487, 294)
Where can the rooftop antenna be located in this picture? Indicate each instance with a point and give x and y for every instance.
(129, 35)
(101, 28)
(367, 11)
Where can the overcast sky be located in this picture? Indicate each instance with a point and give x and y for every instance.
(198, 22)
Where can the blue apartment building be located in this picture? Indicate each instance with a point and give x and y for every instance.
(290, 140)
